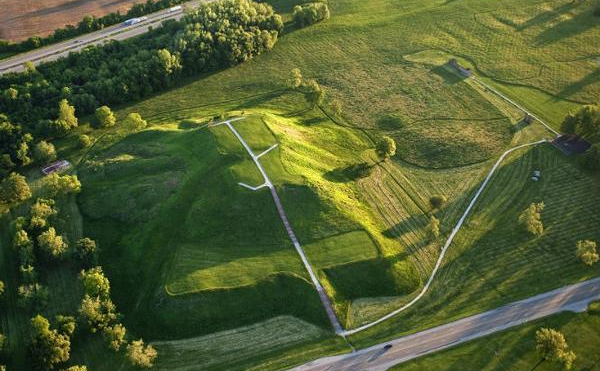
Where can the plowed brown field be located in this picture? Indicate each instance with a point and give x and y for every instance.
(20, 19)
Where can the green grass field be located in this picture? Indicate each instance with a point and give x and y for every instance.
(514, 349)
(199, 264)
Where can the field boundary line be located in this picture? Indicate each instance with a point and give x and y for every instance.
(267, 183)
(447, 244)
(512, 102)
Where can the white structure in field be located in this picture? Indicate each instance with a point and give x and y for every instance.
(56, 166)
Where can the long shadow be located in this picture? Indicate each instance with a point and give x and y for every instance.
(546, 17)
(448, 74)
(349, 173)
(569, 28)
(573, 88)
(476, 265)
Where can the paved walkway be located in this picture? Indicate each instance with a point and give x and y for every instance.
(267, 183)
(447, 244)
(377, 358)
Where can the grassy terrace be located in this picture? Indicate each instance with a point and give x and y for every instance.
(203, 267)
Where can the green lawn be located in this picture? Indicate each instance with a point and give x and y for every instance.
(492, 259)
(514, 349)
(190, 253)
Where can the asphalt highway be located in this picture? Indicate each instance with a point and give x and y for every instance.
(116, 32)
(377, 358)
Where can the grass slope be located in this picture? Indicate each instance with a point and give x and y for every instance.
(493, 260)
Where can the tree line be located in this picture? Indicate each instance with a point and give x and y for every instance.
(39, 246)
(45, 101)
(88, 24)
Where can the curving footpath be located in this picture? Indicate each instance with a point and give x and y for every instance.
(447, 244)
(267, 183)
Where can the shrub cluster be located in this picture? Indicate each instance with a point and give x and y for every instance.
(305, 15)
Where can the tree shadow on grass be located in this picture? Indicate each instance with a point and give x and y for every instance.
(314, 121)
(349, 173)
(573, 88)
(520, 126)
(546, 17)
(450, 76)
(569, 28)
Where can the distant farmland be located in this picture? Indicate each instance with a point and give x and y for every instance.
(21, 19)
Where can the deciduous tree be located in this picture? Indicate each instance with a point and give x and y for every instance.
(48, 347)
(314, 93)
(434, 227)
(57, 185)
(552, 346)
(134, 122)
(84, 141)
(587, 252)
(531, 219)
(33, 296)
(311, 13)
(87, 249)
(95, 283)
(295, 78)
(51, 243)
(115, 336)
(385, 148)
(66, 120)
(140, 355)
(97, 312)
(105, 117)
(14, 190)
(437, 201)
(39, 213)
(44, 152)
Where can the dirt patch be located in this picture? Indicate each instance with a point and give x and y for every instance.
(20, 19)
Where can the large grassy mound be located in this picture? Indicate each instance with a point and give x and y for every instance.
(208, 254)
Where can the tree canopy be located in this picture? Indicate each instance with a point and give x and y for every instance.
(51, 243)
(44, 152)
(214, 35)
(552, 346)
(141, 355)
(531, 219)
(587, 252)
(385, 148)
(94, 282)
(311, 13)
(48, 346)
(105, 117)
(14, 190)
(58, 185)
